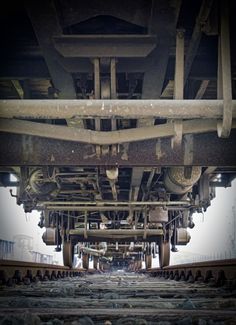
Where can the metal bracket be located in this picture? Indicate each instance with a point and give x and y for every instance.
(179, 85)
(224, 73)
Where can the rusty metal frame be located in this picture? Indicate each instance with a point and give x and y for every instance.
(104, 45)
(179, 85)
(127, 108)
(206, 150)
(224, 71)
(74, 134)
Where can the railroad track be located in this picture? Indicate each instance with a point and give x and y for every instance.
(17, 272)
(79, 297)
(217, 272)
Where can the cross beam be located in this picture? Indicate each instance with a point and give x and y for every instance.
(127, 108)
(203, 149)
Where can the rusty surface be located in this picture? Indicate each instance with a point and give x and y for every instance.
(128, 108)
(207, 150)
(218, 270)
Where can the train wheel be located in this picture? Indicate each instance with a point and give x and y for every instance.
(148, 261)
(85, 261)
(68, 253)
(164, 253)
(139, 264)
(101, 267)
(95, 262)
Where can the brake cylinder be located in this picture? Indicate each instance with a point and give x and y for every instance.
(177, 182)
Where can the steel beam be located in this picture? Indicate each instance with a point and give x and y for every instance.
(74, 134)
(132, 12)
(206, 150)
(196, 36)
(93, 46)
(45, 22)
(127, 108)
(157, 61)
(101, 208)
(36, 68)
(116, 232)
(179, 66)
(202, 89)
(179, 84)
(116, 203)
(136, 178)
(224, 127)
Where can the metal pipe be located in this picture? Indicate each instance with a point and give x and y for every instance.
(142, 108)
(89, 209)
(115, 203)
(102, 209)
(116, 232)
(57, 132)
(93, 252)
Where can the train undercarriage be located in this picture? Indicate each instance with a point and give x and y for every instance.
(119, 124)
(96, 213)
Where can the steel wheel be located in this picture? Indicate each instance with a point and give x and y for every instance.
(139, 264)
(164, 253)
(148, 261)
(68, 253)
(85, 261)
(95, 262)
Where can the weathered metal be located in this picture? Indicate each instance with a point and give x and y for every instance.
(182, 236)
(156, 62)
(104, 138)
(51, 236)
(201, 20)
(206, 150)
(176, 181)
(104, 45)
(179, 66)
(202, 89)
(102, 208)
(201, 269)
(127, 108)
(116, 233)
(224, 127)
(109, 205)
(117, 203)
(45, 23)
(179, 85)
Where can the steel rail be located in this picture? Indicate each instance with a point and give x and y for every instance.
(224, 269)
(119, 312)
(217, 270)
(141, 108)
(18, 271)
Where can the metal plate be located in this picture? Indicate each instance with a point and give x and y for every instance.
(206, 150)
